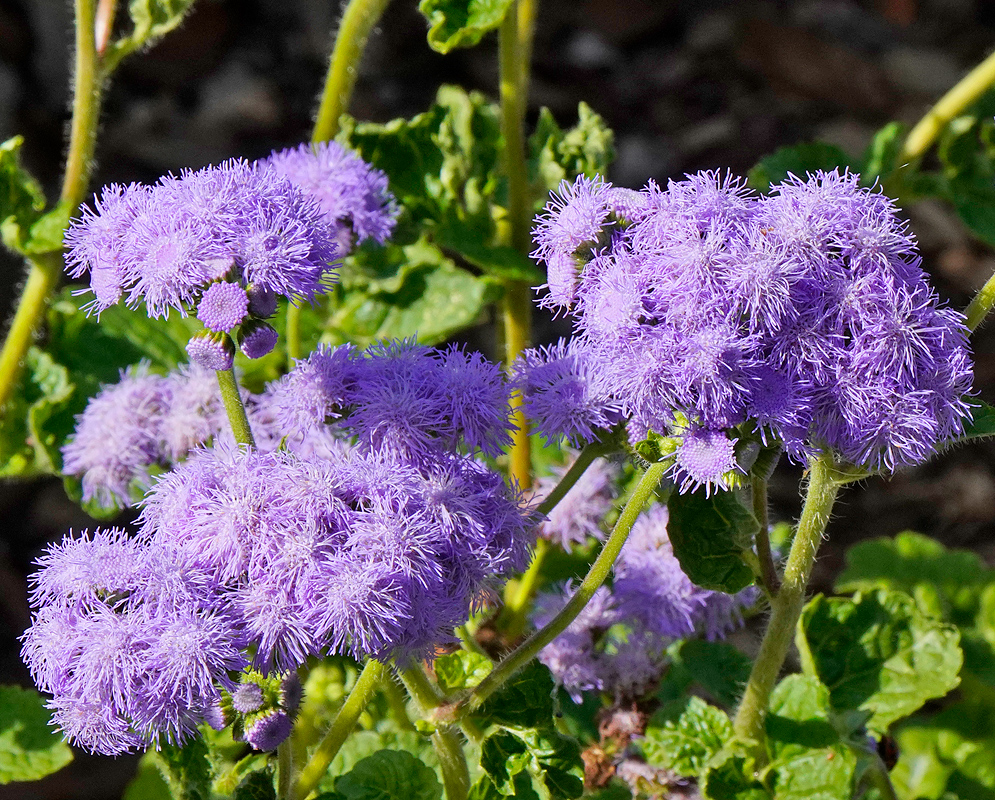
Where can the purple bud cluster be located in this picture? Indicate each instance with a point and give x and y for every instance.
(618, 643)
(704, 312)
(142, 422)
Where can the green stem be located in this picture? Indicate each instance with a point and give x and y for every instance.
(879, 777)
(366, 684)
(232, 399)
(768, 571)
(962, 95)
(358, 20)
(445, 739)
(596, 576)
(293, 334)
(980, 305)
(514, 48)
(284, 770)
(786, 607)
(45, 270)
(43, 274)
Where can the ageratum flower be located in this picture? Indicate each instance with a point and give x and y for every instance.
(352, 195)
(802, 318)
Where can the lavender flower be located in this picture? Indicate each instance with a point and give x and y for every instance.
(802, 318)
(211, 350)
(117, 438)
(223, 306)
(166, 243)
(557, 386)
(618, 643)
(352, 195)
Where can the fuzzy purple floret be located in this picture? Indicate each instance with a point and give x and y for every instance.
(223, 306)
(557, 386)
(211, 352)
(269, 731)
(350, 192)
(142, 422)
(805, 313)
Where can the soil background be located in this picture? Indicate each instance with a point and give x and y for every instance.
(685, 86)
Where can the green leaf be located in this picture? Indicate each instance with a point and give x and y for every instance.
(982, 424)
(26, 446)
(921, 567)
(717, 667)
(45, 234)
(881, 156)
(461, 23)
(949, 756)
(21, 198)
(187, 770)
(809, 759)
(151, 20)
(256, 786)
(555, 155)
(551, 756)
(389, 775)
(29, 748)
(688, 743)
(878, 653)
(797, 160)
(731, 777)
(148, 783)
(709, 535)
(435, 300)
(525, 700)
(461, 670)
(522, 789)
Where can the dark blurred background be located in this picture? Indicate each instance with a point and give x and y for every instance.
(685, 86)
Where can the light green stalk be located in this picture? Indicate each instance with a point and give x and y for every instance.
(786, 607)
(232, 399)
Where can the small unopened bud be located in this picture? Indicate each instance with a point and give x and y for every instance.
(262, 302)
(257, 339)
(268, 730)
(211, 350)
(223, 306)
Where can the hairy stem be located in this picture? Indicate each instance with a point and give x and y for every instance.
(293, 334)
(596, 576)
(445, 740)
(366, 684)
(768, 572)
(514, 47)
(284, 770)
(358, 20)
(232, 398)
(44, 270)
(962, 95)
(786, 607)
(980, 305)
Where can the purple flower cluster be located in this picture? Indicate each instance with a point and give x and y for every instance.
(142, 422)
(352, 195)
(229, 239)
(618, 643)
(398, 397)
(262, 558)
(374, 537)
(704, 312)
